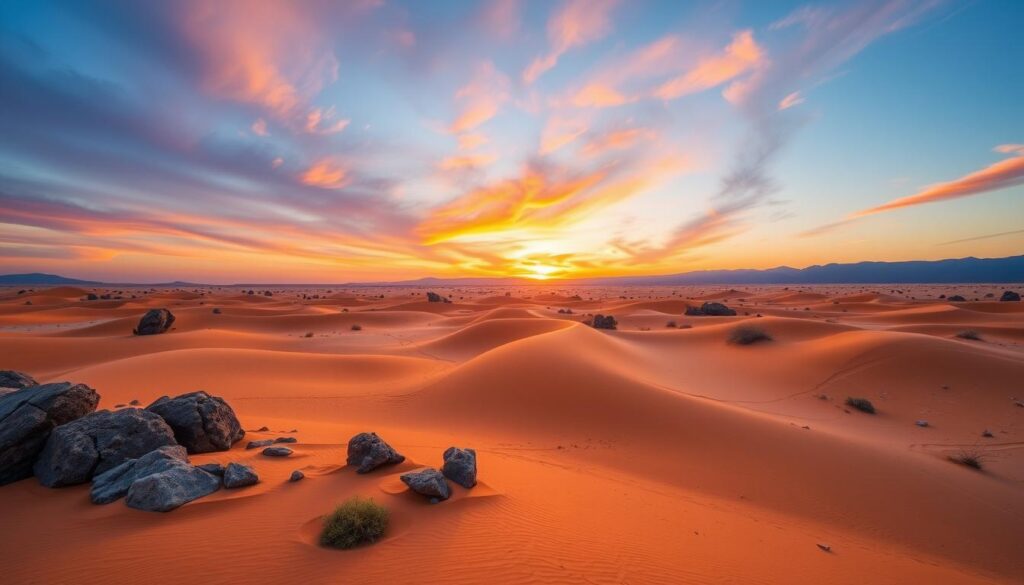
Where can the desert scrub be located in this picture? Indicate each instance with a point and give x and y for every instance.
(357, 521)
(356, 327)
(970, 458)
(969, 334)
(861, 404)
(748, 336)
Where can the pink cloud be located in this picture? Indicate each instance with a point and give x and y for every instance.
(326, 174)
(741, 56)
(480, 99)
(574, 24)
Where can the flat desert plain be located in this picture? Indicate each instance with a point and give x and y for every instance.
(646, 454)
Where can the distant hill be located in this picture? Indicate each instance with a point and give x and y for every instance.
(40, 278)
(959, 270)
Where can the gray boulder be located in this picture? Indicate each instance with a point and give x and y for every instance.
(29, 415)
(260, 443)
(179, 484)
(113, 484)
(460, 466)
(277, 451)
(202, 423)
(154, 321)
(296, 476)
(286, 440)
(214, 468)
(84, 448)
(13, 379)
(427, 482)
(367, 451)
(237, 475)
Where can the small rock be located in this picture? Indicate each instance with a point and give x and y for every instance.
(921, 423)
(277, 451)
(825, 547)
(286, 440)
(261, 430)
(260, 443)
(216, 311)
(237, 475)
(214, 468)
(296, 476)
(134, 403)
(428, 482)
(987, 434)
(460, 466)
(368, 452)
(155, 321)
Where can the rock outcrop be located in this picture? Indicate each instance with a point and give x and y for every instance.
(367, 452)
(460, 466)
(155, 321)
(84, 448)
(16, 380)
(114, 484)
(202, 423)
(179, 484)
(29, 415)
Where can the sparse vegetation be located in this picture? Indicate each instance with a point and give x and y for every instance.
(969, 334)
(969, 457)
(357, 521)
(861, 404)
(748, 336)
(357, 327)
(671, 324)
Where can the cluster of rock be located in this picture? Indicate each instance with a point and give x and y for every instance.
(367, 451)
(710, 309)
(54, 432)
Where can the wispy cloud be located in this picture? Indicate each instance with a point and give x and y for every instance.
(574, 24)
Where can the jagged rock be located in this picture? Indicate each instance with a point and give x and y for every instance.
(202, 423)
(296, 476)
(84, 448)
(29, 415)
(368, 452)
(1010, 296)
(113, 484)
(179, 484)
(603, 322)
(277, 451)
(460, 466)
(237, 475)
(427, 482)
(16, 380)
(710, 310)
(214, 468)
(154, 321)
(286, 440)
(260, 443)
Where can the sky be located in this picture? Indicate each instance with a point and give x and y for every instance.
(317, 141)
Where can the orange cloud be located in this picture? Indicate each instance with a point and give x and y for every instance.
(576, 23)
(320, 121)
(471, 141)
(480, 99)
(617, 140)
(741, 56)
(559, 132)
(596, 95)
(469, 161)
(326, 174)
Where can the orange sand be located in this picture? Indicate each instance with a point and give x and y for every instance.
(643, 455)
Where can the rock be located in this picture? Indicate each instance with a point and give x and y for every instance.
(603, 322)
(91, 297)
(237, 475)
(427, 482)
(825, 547)
(179, 484)
(433, 297)
(12, 379)
(277, 451)
(921, 423)
(987, 434)
(368, 452)
(113, 484)
(261, 430)
(296, 475)
(27, 417)
(154, 321)
(710, 309)
(1010, 296)
(460, 466)
(214, 468)
(956, 299)
(216, 311)
(202, 423)
(286, 440)
(84, 448)
(258, 444)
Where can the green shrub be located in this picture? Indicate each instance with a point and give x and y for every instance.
(357, 521)
(861, 404)
(748, 336)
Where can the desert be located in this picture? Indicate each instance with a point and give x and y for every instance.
(659, 451)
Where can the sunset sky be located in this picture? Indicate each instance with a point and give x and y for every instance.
(316, 141)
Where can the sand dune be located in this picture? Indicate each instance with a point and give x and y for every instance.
(648, 454)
